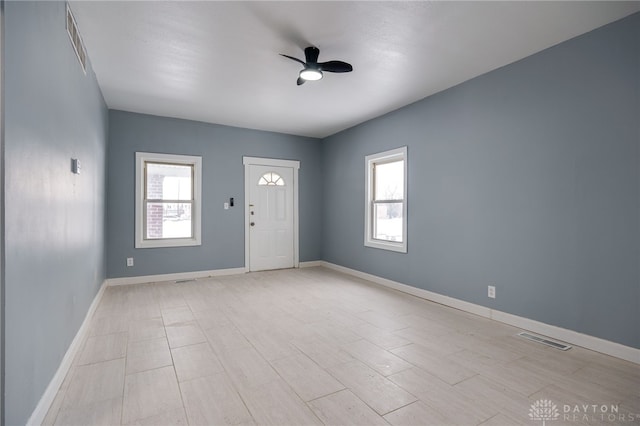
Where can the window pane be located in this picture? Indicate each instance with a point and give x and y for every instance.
(169, 182)
(389, 181)
(387, 221)
(168, 220)
(271, 179)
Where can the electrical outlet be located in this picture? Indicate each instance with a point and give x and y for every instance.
(491, 292)
(129, 261)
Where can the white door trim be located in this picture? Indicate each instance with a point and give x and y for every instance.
(258, 161)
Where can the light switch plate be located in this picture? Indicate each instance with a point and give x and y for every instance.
(75, 166)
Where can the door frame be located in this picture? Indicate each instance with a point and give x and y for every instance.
(276, 162)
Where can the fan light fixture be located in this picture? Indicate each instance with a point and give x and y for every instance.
(313, 69)
(309, 74)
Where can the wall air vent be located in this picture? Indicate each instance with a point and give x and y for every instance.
(545, 341)
(76, 40)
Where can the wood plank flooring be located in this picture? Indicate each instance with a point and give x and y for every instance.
(312, 346)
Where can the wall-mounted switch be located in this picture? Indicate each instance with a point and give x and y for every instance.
(226, 206)
(231, 201)
(129, 261)
(75, 166)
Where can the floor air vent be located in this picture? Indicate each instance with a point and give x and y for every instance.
(545, 341)
(185, 281)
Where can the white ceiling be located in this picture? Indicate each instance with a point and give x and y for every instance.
(218, 62)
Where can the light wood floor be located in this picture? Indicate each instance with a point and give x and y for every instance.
(312, 346)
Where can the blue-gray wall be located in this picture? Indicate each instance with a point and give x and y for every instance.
(526, 178)
(54, 240)
(222, 149)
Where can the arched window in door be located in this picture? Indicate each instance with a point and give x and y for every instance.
(271, 179)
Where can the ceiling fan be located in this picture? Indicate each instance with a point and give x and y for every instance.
(313, 69)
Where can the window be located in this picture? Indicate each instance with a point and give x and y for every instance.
(271, 179)
(167, 200)
(386, 208)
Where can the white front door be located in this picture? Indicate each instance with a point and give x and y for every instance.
(271, 217)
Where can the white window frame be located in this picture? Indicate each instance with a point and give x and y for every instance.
(370, 161)
(196, 207)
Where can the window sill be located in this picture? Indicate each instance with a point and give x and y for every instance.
(174, 242)
(386, 245)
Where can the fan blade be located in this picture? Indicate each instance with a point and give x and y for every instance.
(311, 54)
(295, 59)
(335, 66)
(300, 81)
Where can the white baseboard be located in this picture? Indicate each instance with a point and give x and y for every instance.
(173, 277)
(573, 337)
(311, 264)
(39, 413)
